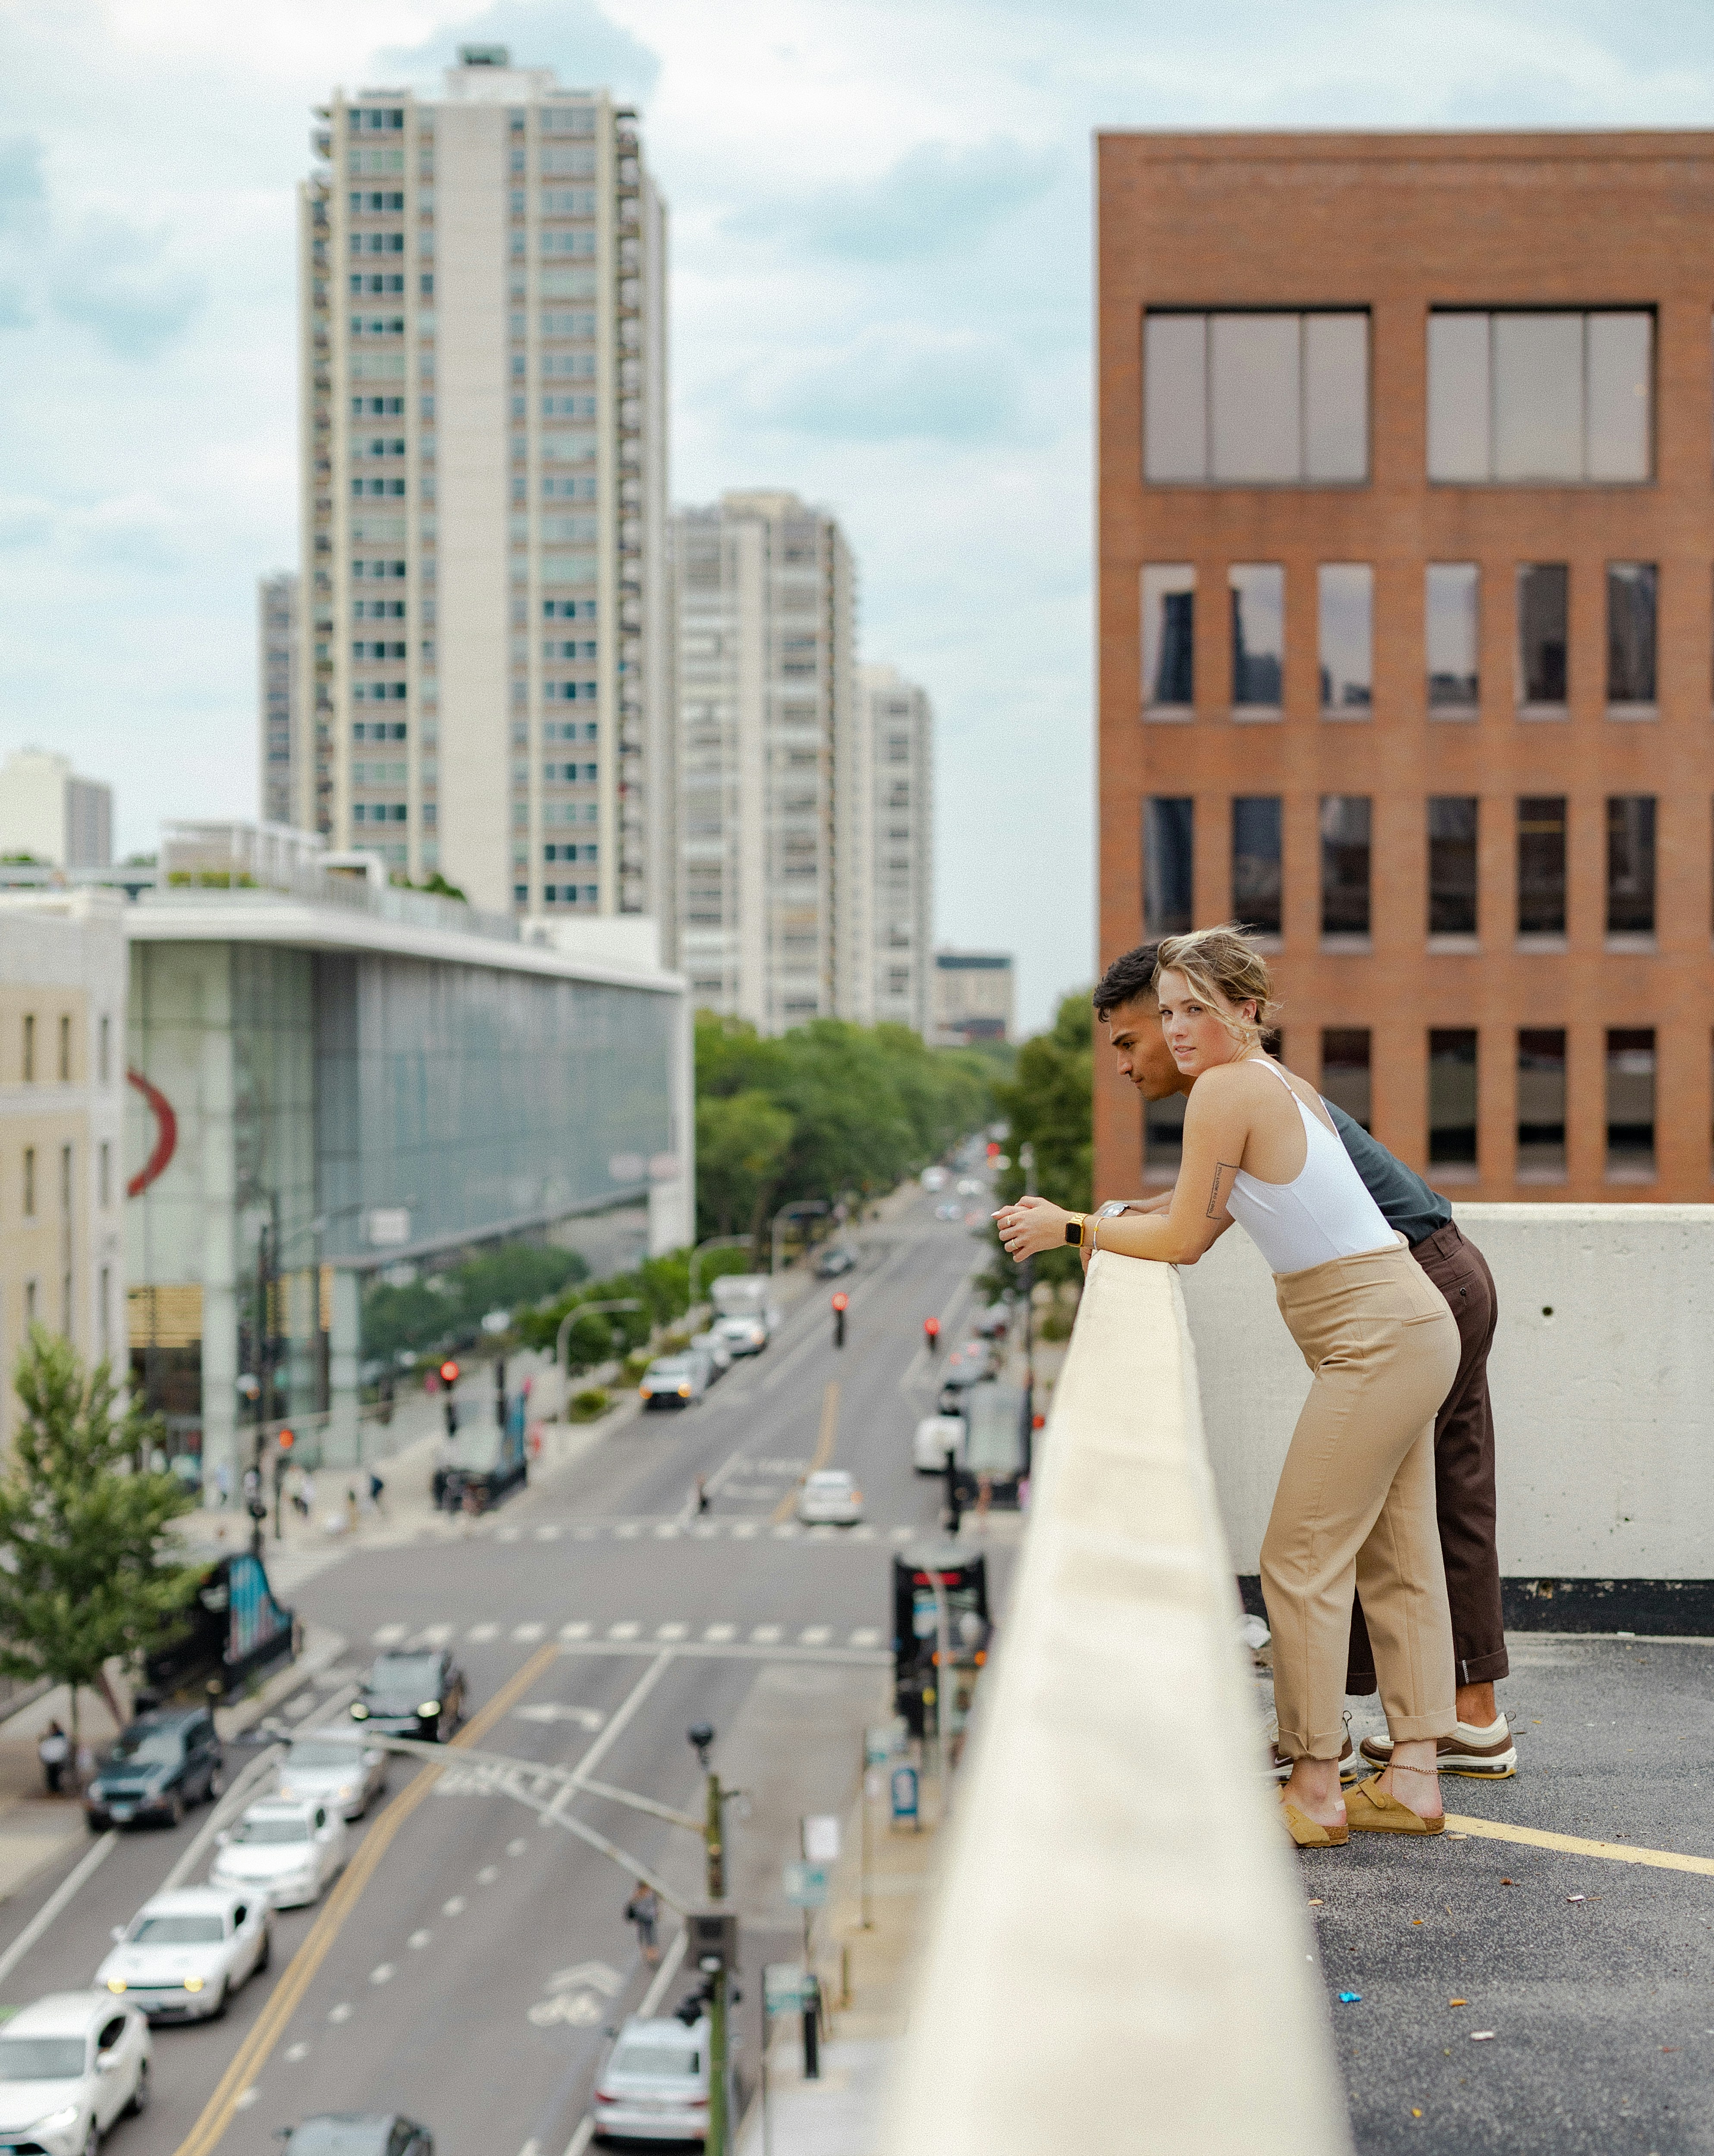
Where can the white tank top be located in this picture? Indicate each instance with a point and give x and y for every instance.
(1324, 1212)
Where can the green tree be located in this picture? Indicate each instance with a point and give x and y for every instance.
(84, 1575)
(1047, 1103)
(742, 1142)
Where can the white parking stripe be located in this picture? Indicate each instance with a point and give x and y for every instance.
(548, 1534)
(744, 1531)
(666, 1532)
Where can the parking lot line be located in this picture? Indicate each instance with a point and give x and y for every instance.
(1571, 1845)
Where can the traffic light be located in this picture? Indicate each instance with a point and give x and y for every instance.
(840, 1301)
(449, 1373)
(286, 1440)
(931, 1334)
(449, 1378)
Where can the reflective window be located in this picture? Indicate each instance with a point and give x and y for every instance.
(1169, 635)
(1346, 606)
(1345, 1070)
(1543, 613)
(1540, 865)
(1630, 865)
(1528, 396)
(1540, 1105)
(1257, 633)
(1453, 629)
(1344, 863)
(1452, 1097)
(1630, 632)
(1631, 1103)
(1169, 863)
(1256, 398)
(1452, 864)
(1256, 878)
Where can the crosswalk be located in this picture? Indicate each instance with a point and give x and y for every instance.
(737, 1529)
(627, 1631)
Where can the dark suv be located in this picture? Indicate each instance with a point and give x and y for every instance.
(413, 1692)
(163, 1763)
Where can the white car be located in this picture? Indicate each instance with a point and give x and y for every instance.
(288, 1852)
(829, 1497)
(337, 1771)
(743, 1336)
(933, 1178)
(935, 1436)
(969, 1186)
(70, 2066)
(655, 2085)
(715, 1348)
(184, 1954)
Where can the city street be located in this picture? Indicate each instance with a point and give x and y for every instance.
(465, 1969)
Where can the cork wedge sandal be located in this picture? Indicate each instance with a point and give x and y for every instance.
(1311, 1834)
(1369, 1809)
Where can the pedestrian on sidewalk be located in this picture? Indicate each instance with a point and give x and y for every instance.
(306, 1493)
(53, 1750)
(1356, 1497)
(378, 1490)
(1480, 1745)
(702, 1495)
(643, 1911)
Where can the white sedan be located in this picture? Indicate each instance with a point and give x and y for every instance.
(288, 1852)
(337, 1771)
(70, 2066)
(184, 1954)
(829, 1497)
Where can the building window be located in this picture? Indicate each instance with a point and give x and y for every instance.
(1543, 613)
(104, 1174)
(1630, 633)
(29, 1183)
(1169, 865)
(1256, 878)
(1168, 637)
(1452, 1097)
(105, 1037)
(1540, 865)
(1533, 397)
(1452, 864)
(65, 1049)
(1257, 634)
(1346, 1070)
(29, 1047)
(65, 1182)
(1630, 1104)
(1346, 609)
(103, 1322)
(1540, 1105)
(1256, 399)
(1453, 633)
(1346, 819)
(1630, 865)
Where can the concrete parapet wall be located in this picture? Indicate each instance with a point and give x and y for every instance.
(1118, 1956)
(1602, 1374)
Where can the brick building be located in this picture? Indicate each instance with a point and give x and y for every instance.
(1407, 651)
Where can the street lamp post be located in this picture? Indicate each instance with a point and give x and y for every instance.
(799, 1207)
(700, 1735)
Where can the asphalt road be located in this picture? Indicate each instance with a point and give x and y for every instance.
(464, 1972)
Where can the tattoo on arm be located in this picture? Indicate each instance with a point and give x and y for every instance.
(1220, 1168)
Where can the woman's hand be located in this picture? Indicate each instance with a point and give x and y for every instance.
(1031, 1226)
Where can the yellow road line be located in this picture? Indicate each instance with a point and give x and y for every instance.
(1533, 1837)
(283, 2001)
(824, 1450)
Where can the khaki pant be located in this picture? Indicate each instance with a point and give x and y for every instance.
(1355, 1508)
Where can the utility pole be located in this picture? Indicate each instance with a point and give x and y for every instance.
(713, 1939)
(701, 1736)
(839, 1305)
(953, 1514)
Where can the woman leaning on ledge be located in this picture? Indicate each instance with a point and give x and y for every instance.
(1355, 1508)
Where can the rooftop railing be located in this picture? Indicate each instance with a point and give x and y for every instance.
(1118, 1958)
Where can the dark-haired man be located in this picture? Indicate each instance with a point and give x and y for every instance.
(1464, 1429)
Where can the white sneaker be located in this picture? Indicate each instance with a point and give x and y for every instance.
(1487, 1755)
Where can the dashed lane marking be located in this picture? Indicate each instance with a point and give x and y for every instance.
(577, 1632)
(815, 1636)
(765, 1635)
(672, 1631)
(525, 1632)
(388, 1635)
(628, 1630)
(483, 1632)
(718, 1632)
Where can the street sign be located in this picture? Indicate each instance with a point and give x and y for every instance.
(805, 1884)
(821, 1838)
(904, 1794)
(787, 1987)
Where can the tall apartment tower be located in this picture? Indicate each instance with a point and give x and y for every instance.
(484, 489)
(286, 771)
(775, 789)
(901, 729)
(48, 813)
(1406, 556)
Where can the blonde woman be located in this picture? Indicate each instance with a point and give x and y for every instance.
(1356, 1502)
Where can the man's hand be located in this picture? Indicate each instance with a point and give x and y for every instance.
(1031, 1226)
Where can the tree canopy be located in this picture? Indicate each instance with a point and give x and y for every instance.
(1047, 1103)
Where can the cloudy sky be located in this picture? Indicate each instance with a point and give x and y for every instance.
(881, 298)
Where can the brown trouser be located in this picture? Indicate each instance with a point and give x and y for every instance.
(1464, 1474)
(1355, 1501)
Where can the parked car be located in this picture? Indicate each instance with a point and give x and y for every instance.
(717, 1351)
(654, 2084)
(743, 1332)
(935, 1435)
(933, 1178)
(336, 1769)
(829, 1497)
(289, 1852)
(675, 1381)
(70, 2065)
(969, 1186)
(412, 1692)
(837, 1258)
(184, 1954)
(358, 2133)
(162, 1763)
(993, 1323)
(949, 1211)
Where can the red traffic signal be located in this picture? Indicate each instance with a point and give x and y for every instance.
(841, 1302)
(993, 1148)
(286, 1440)
(449, 1371)
(931, 1326)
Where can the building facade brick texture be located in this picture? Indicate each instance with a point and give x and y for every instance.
(1508, 1053)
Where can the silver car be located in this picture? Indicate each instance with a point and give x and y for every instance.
(675, 1381)
(655, 2085)
(287, 1852)
(340, 1771)
(184, 1954)
(70, 2066)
